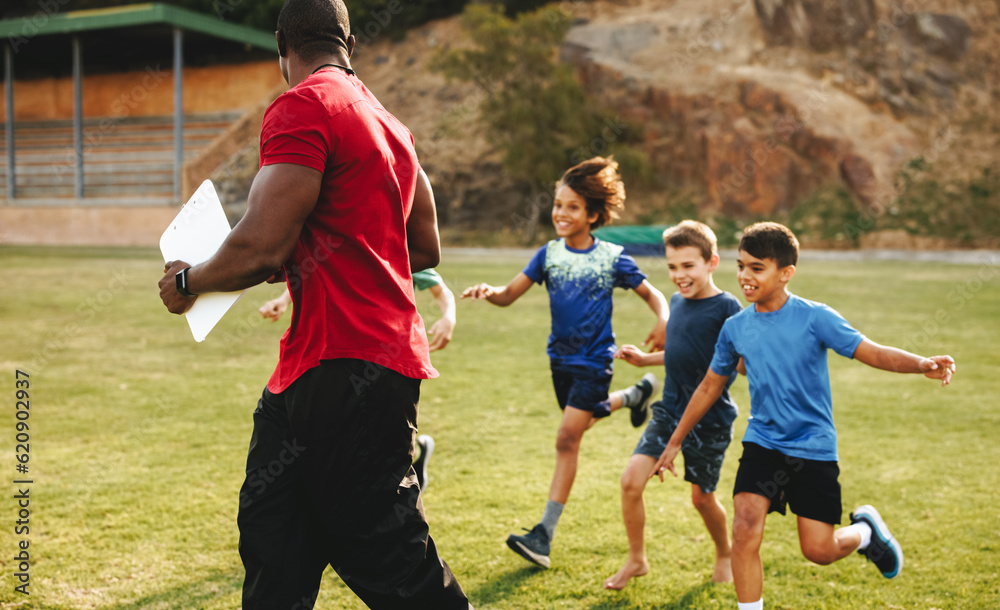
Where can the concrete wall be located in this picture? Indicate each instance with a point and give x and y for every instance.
(84, 225)
(146, 93)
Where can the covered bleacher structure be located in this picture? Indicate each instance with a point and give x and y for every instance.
(113, 117)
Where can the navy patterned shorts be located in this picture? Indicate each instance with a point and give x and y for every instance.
(703, 450)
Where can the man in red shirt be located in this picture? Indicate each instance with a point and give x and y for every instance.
(342, 209)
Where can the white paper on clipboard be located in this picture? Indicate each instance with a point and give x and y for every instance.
(193, 237)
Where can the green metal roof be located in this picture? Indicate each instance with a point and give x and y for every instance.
(41, 24)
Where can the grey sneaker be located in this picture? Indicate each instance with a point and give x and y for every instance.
(640, 412)
(884, 551)
(533, 546)
(426, 444)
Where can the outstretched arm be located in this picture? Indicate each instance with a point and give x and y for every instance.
(654, 298)
(707, 392)
(636, 357)
(899, 361)
(442, 330)
(500, 296)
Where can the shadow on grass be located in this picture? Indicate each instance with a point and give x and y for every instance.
(502, 586)
(195, 594)
(693, 598)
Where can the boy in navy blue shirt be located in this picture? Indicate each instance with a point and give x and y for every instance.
(580, 272)
(697, 311)
(790, 446)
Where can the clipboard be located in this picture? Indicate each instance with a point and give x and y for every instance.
(193, 237)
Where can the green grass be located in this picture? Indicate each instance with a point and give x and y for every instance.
(138, 440)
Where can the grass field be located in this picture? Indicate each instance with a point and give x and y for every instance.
(138, 438)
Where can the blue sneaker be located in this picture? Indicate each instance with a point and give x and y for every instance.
(884, 551)
(533, 546)
(426, 444)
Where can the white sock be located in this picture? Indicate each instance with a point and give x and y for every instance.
(631, 396)
(864, 530)
(757, 605)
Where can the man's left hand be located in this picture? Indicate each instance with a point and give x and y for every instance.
(174, 301)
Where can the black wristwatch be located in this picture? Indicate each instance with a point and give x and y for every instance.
(181, 280)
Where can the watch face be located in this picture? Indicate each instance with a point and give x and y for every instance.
(181, 282)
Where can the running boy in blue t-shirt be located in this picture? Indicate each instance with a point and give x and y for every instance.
(790, 446)
(697, 311)
(580, 272)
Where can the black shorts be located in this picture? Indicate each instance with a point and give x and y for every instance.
(809, 487)
(583, 388)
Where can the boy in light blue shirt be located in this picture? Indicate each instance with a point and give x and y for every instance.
(790, 446)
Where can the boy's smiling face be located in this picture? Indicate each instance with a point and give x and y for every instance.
(762, 281)
(569, 214)
(691, 273)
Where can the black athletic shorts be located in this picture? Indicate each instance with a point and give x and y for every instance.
(809, 487)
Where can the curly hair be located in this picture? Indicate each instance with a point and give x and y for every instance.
(771, 240)
(597, 180)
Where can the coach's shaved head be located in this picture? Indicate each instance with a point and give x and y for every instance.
(313, 28)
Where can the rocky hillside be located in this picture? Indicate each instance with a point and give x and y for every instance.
(752, 105)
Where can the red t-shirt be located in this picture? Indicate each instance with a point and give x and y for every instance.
(349, 275)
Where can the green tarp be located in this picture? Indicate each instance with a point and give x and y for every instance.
(638, 240)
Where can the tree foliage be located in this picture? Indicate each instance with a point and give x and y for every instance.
(535, 111)
(393, 16)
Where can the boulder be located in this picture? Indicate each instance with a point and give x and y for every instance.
(946, 36)
(821, 25)
(859, 176)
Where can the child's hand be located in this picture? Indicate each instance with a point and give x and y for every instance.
(938, 367)
(657, 337)
(666, 462)
(479, 291)
(273, 309)
(631, 354)
(441, 332)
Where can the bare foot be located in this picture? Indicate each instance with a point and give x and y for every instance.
(631, 569)
(723, 570)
